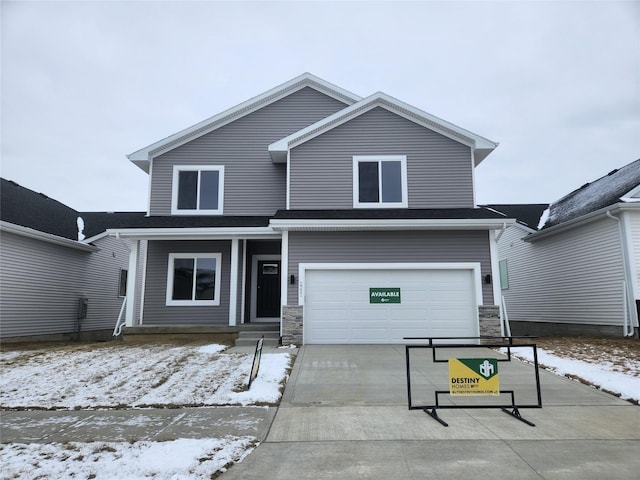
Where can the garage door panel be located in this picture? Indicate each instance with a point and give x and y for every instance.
(433, 302)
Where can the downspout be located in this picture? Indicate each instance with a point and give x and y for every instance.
(629, 308)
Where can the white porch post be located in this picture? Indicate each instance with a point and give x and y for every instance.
(495, 275)
(233, 287)
(132, 274)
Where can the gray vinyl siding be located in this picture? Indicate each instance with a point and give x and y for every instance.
(389, 247)
(156, 312)
(439, 170)
(572, 277)
(254, 185)
(41, 284)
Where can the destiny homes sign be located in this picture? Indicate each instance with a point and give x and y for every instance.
(384, 295)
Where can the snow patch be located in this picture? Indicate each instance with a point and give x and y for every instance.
(543, 218)
(80, 224)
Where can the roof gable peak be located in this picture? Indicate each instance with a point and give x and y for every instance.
(481, 146)
(143, 156)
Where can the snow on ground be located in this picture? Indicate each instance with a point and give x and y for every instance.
(604, 375)
(173, 460)
(144, 376)
(124, 376)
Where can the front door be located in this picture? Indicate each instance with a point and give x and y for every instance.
(268, 289)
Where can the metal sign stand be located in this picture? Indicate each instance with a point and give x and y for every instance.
(256, 361)
(513, 409)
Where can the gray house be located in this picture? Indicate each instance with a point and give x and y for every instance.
(344, 219)
(579, 272)
(60, 274)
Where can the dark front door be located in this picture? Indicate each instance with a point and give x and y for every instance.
(268, 289)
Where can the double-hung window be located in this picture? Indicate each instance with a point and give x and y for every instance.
(380, 181)
(194, 279)
(197, 190)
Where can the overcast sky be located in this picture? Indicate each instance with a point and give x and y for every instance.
(84, 83)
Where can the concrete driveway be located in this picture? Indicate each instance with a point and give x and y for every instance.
(344, 415)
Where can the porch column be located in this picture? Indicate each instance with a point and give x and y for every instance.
(132, 274)
(495, 276)
(233, 283)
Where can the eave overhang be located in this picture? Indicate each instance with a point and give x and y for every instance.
(46, 237)
(333, 225)
(481, 146)
(576, 222)
(195, 233)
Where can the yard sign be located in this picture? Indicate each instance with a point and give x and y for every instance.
(473, 377)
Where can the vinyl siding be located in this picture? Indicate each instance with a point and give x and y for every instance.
(41, 284)
(389, 247)
(572, 277)
(254, 185)
(439, 170)
(156, 312)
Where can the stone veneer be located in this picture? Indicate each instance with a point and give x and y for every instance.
(292, 324)
(489, 316)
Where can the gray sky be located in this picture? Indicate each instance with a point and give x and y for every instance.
(84, 83)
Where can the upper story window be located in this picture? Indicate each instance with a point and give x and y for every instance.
(197, 190)
(380, 181)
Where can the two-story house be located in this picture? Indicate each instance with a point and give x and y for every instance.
(346, 219)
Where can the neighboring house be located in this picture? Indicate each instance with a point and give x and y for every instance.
(345, 219)
(47, 265)
(580, 273)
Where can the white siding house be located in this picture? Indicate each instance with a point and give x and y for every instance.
(579, 273)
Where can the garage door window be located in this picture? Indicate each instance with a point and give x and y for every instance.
(380, 181)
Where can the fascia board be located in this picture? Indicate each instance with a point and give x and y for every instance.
(480, 144)
(45, 237)
(576, 222)
(143, 156)
(390, 224)
(193, 233)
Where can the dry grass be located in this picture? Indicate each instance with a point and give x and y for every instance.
(624, 353)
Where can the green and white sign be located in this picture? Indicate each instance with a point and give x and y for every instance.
(384, 295)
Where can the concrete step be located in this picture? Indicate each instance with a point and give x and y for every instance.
(252, 342)
(258, 333)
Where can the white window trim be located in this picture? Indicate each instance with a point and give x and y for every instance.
(197, 168)
(380, 158)
(170, 269)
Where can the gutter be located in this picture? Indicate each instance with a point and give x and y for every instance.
(46, 237)
(590, 217)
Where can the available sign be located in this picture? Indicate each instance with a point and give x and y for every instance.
(473, 377)
(384, 295)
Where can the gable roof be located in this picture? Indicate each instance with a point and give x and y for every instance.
(480, 145)
(143, 156)
(526, 214)
(608, 190)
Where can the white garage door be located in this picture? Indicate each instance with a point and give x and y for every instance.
(340, 306)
